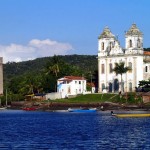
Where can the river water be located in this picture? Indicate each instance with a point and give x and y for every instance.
(27, 130)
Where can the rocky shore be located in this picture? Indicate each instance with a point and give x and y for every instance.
(64, 106)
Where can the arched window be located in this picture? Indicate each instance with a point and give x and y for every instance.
(110, 44)
(130, 87)
(138, 43)
(130, 43)
(130, 66)
(110, 68)
(102, 45)
(146, 69)
(102, 68)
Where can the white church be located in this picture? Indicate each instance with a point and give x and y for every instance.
(133, 55)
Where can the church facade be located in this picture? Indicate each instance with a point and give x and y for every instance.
(133, 56)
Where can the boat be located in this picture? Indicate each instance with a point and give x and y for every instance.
(82, 110)
(130, 115)
(3, 108)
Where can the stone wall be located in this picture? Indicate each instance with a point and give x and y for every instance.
(1, 75)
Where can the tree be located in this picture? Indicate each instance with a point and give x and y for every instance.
(54, 66)
(145, 86)
(121, 69)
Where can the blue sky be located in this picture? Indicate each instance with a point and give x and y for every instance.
(39, 28)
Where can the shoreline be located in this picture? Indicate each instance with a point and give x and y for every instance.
(54, 106)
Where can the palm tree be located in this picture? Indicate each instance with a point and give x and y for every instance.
(121, 69)
(54, 66)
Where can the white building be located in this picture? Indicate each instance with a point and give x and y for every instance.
(71, 85)
(133, 55)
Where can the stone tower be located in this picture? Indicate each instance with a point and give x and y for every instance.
(134, 40)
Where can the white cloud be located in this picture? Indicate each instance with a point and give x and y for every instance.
(34, 49)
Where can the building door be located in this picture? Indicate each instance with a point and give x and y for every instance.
(116, 85)
(110, 87)
(103, 86)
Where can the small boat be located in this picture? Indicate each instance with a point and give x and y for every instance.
(3, 108)
(130, 115)
(29, 108)
(82, 110)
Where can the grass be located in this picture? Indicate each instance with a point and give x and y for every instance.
(100, 98)
(92, 98)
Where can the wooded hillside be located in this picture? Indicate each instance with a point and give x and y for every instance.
(84, 62)
(40, 75)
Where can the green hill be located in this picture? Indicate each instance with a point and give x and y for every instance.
(36, 76)
(83, 62)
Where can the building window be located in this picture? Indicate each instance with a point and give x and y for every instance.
(130, 66)
(110, 68)
(130, 43)
(146, 69)
(79, 82)
(75, 82)
(69, 91)
(110, 44)
(130, 87)
(103, 69)
(103, 86)
(102, 46)
(138, 43)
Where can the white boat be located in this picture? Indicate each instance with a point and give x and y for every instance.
(3, 108)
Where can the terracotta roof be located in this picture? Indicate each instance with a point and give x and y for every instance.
(146, 53)
(91, 84)
(72, 78)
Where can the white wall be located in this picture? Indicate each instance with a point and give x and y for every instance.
(134, 76)
(53, 96)
(74, 87)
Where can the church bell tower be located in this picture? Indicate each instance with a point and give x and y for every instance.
(134, 41)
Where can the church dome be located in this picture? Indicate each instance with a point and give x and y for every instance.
(106, 33)
(134, 31)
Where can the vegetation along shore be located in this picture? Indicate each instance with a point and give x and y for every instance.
(40, 76)
(103, 102)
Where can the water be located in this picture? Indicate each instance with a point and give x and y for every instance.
(21, 130)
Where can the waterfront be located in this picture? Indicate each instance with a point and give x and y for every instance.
(25, 130)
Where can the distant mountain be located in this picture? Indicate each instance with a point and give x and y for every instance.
(147, 49)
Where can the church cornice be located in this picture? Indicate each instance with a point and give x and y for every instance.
(125, 55)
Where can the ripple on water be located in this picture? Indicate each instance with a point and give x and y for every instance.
(20, 130)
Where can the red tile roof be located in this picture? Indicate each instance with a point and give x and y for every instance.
(74, 77)
(70, 78)
(146, 53)
(91, 84)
